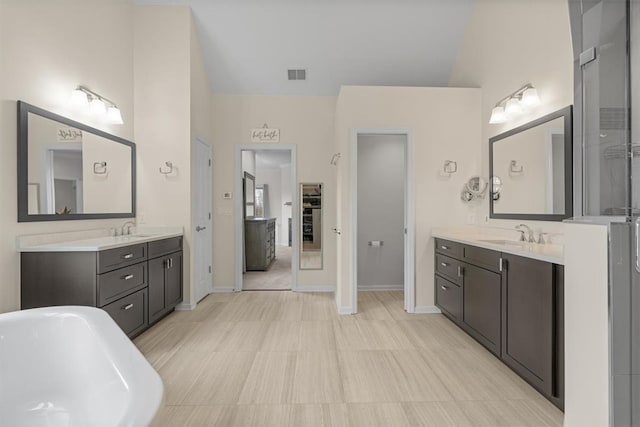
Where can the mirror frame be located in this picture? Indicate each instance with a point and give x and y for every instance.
(23, 159)
(567, 114)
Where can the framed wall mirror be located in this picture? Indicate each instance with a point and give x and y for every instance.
(310, 226)
(70, 171)
(533, 164)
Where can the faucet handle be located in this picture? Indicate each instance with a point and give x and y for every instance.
(522, 238)
(541, 238)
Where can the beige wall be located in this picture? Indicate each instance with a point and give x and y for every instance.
(446, 126)
(508, 44)
(306, 122)
(45, 52)
(172, 107)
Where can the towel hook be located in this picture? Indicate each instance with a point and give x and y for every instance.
(170, 167)
(514, 168)
(335, 158)
(100, 168)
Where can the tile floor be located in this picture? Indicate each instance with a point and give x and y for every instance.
(287, 359)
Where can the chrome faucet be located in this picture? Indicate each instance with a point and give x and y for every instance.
(127, 224)
(530, 238)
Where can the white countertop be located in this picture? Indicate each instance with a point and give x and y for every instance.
(544, 252)
(92, 240)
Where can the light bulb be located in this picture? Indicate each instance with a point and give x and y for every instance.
(114, 116)
(97, 107)
(78, 98)
(498, 115)
(513, 107)
(530, 97)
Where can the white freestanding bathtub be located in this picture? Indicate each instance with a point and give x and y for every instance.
(74, 367)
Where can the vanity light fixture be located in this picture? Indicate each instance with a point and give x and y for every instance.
(81, 97)
(513, 104)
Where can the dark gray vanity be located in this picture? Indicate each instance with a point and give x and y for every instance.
(512, 305)
(137, 284)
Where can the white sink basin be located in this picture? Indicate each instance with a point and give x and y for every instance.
(503, 242)
(73, 367)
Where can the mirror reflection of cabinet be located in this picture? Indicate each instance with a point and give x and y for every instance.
(311, 226)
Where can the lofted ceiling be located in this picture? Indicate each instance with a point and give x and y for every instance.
(248, 45)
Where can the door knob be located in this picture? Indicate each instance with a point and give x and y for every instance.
(198, 228)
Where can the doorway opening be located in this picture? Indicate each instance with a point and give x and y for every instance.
(266, 229)
(382, 217)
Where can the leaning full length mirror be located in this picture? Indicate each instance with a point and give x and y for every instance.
(311, 226)
(533, 165)
(67, 170)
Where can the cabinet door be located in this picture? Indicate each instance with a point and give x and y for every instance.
(157, 296)
(528, 335)
(481, 306)
(173, 284)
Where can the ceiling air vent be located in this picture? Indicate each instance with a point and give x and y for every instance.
(297, 74)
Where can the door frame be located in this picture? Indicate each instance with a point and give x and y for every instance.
(239, 220)
(409, 215)
(194, 296)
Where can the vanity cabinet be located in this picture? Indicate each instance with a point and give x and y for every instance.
(165, 278)
(511, 304)
(481, 306)
(532, 335)
(127, 282)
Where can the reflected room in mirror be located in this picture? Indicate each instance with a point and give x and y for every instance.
(67, 170)
(311, 226)
(533, 166)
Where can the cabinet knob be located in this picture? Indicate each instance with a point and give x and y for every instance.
(127, 277)
(444, 264)
(460, 271)
(446, 248)
(127, 307)
(444, 288)
(127, 256)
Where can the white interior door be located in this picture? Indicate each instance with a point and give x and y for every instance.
(202, 258)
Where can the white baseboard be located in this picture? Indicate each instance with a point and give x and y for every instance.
(427, 309)
(222, 290)
(381, 288)
(186, 306)
(320, 288)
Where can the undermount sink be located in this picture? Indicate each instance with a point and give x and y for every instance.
(502, 242)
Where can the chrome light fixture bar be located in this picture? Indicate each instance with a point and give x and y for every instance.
(514, 103)
(98, 105)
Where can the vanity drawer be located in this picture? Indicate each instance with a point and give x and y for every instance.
(449, 297)
(450, 248)
(118, 283)
(130, 312)
(163, 247)
(450, 268)
(121, 257)
(482, 257)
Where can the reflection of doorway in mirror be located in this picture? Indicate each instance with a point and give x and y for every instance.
(61, 175)
(555, 186)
